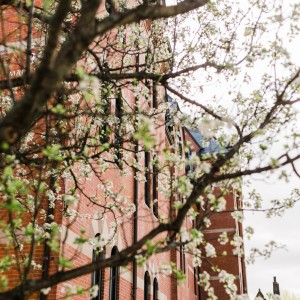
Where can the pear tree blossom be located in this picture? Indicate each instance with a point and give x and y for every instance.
(90, 98)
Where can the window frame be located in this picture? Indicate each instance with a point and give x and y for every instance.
(147, 286)
(147, 186)
(114, 278)
(155, 289)
(98, 274)
(118, 139)
(154, 185)
(109, 6)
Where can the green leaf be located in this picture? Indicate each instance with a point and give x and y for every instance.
(65, 263)
(12, 205)
(5, 146)
(3, 282)
(58, 109)
(28, 3)
(47, 4)
(263, 147)
(80, 290)
(5, 263)
(29, 230)
(8, 171)
(247, 31)
(53, 153)
(80, 240)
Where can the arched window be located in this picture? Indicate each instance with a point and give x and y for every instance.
(155, 289)
(147, 286)
(114, 278)
(98, 275)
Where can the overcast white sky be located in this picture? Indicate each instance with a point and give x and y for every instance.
(284, 264)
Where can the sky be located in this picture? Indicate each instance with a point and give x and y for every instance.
(285, 230)
(284, 264)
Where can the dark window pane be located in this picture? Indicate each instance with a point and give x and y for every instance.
(147, 286)
(154, 189)
(148, 178)
(98, 275)
(155, 289)
(114, 278)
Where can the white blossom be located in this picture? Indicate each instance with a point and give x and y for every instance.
(129, 210)
(196, 259)
(228, 280)
(70, 199)
(46, 291)
(184, 235)
(36, 266)
(94, 291)
(51, 197)
(223, 238)
(192, 214)
(166, 269)
(204, 280)
(238, 215)
(206, 167)
(237, 242)
(207, 222)
(210, 250)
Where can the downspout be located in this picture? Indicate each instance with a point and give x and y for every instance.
(135, 224)
(135, 192)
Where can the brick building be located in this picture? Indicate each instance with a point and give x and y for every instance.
(221, 222)
(111, 228)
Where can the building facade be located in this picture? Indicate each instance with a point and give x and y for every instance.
(227, 257)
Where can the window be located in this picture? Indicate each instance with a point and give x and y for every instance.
(147, 286)
(169, 120)
(151, 182)
(154, 95)
(195, 281)
(154, 188)
(147, 178)
(118, 133)
(182, 258)
(188, 168)
(197, 290)
(155, 289)
(104, 130)
(119, 107)
(98, 275)
(198, 277)
(137, 55)
(114, 278)
(109, 6)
